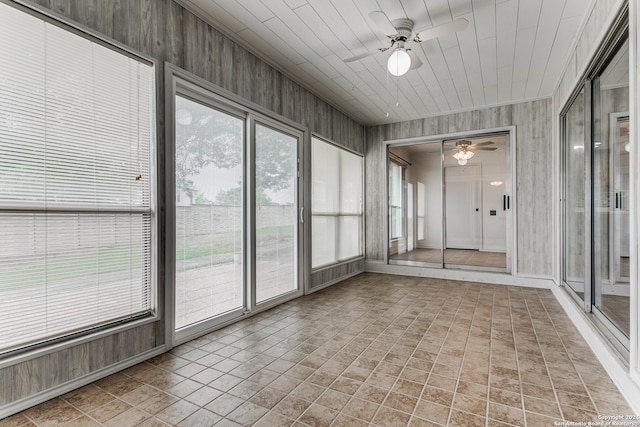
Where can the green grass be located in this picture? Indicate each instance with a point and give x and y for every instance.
(227, 243)
(85, 263)
(68, 266)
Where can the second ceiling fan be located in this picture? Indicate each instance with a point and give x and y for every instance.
(401, 31)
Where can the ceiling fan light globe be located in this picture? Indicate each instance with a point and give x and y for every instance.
(463, 155)
(399, 62)
(462, 162)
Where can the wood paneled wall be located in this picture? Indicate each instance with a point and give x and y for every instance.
(534, 182)
(327, 276)
(165, 31)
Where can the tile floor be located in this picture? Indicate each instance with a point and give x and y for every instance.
(373, 350)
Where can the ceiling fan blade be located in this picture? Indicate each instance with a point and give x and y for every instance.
(364, 55)
(383, 22)
(415, 60)
(441, 30)
(480, 144)
(485, 149)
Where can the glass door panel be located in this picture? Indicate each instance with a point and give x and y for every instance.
(610, 176)
(449, 203)
(276, 212)
(415, 205)
(208, 212)
(477, 203)
(574, 192)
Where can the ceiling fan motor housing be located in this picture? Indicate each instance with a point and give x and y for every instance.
(404, 27)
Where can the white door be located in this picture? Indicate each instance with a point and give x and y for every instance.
(463, 228)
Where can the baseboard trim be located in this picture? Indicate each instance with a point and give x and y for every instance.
(333, 282)
(35, 399)
(541, 282)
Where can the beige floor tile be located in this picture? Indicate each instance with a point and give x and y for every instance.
(385, 350)
(129, 418)
(465, 419)
(317, 415)
(433, 412)
(247, 414)
(17, 420)
(53, 413)
(388, 417)
(273, 419)
(471, 405)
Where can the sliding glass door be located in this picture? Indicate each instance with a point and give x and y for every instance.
(595, 164)
(237, 222)
(209, 233)
(276, 212)
(460, 214)
(610, 178)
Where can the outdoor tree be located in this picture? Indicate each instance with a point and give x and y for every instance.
(210, 137)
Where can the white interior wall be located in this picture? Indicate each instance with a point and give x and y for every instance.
(426, 169)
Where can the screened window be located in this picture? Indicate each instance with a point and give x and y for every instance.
(337, 216)
(76, 135)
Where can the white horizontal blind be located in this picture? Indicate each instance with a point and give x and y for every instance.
(336, 204)
(76, 134)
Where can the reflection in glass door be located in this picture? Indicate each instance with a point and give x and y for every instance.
(612, 284)
(276, 212)
(415, 219)
(462, 203)
(610, 176)
(574, 201)
(209, 143)
(463, 229)
(621, 225)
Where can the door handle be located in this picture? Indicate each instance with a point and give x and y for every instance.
(617, 203)
(504, 202)
(508, 202)
(301, 216)
(620, 200)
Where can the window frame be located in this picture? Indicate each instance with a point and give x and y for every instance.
(55, 343)
(338, 214)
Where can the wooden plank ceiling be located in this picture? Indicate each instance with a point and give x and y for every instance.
(512, 50)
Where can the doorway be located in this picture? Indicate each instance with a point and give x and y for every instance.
(237, 196)
(450, 203)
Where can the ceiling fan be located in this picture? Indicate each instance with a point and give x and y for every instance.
(401, 31)
(464, 149)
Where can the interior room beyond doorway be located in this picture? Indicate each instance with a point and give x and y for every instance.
(449, 203)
